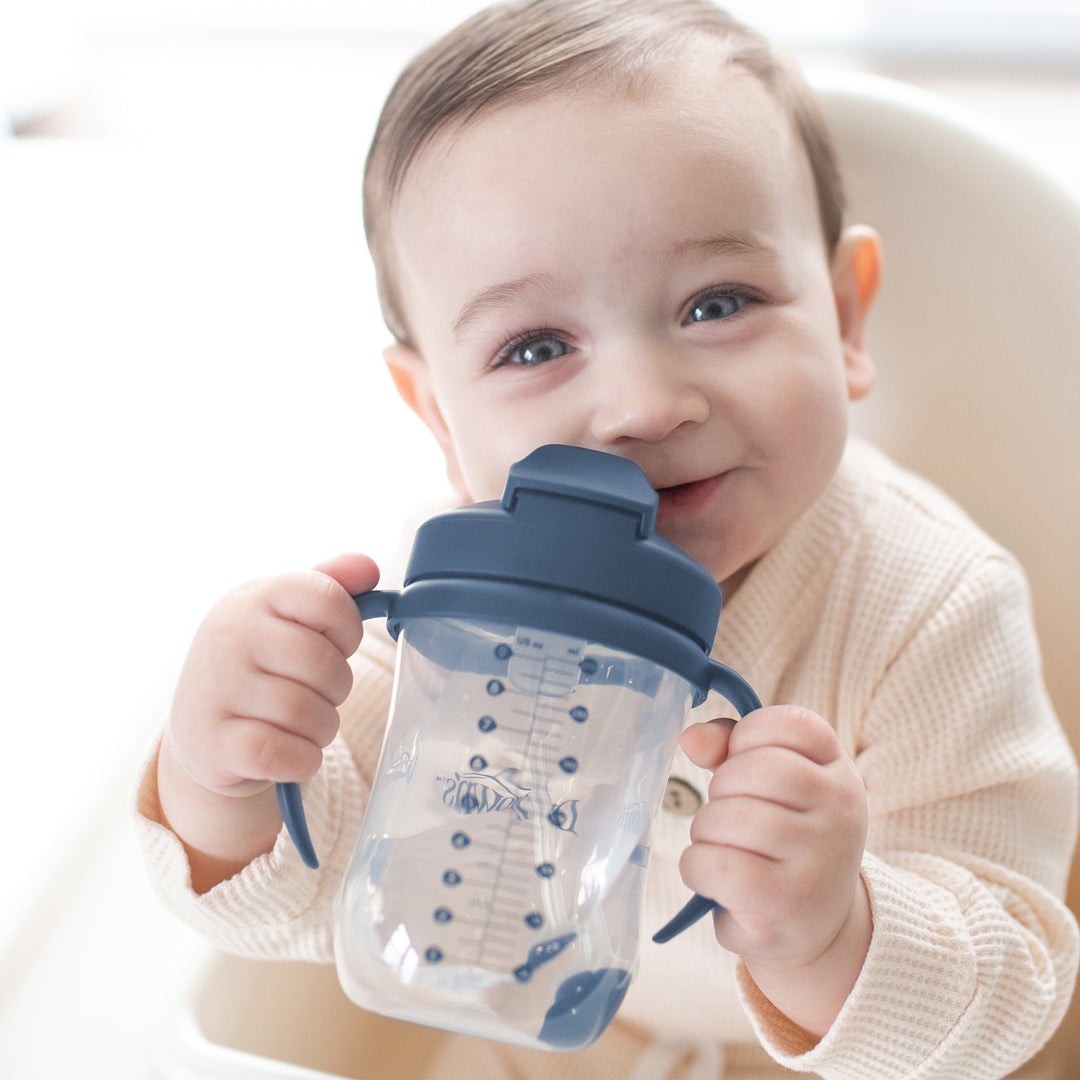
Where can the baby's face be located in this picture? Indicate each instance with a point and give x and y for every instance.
(643, 275)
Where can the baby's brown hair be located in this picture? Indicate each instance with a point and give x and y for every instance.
(517, 51)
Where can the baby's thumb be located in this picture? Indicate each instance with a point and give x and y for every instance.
(354, 573)
(706, 744)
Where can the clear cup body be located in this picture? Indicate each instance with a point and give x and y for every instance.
(496, 885)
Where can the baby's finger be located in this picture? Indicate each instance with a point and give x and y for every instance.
(756, 826)
(289, 706)
(706, 744)
(296, 652)
(775, 774)
(254, 750)
(317, 601)
(790, 726)
(354, 573)
(735, 877)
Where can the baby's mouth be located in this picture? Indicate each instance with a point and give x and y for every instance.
(687, 498)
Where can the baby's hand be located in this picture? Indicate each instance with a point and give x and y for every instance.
(257, 698)
(779, 843)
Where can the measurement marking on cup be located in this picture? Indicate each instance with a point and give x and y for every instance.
(530, 717)
(488, 863)
(499, 849)
(503, 935)
(541, 721)
(506, 956)
(508, 936)
(515, 867)
(515, 893)
(491, 868)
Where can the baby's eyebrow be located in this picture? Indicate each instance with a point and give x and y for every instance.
(499, 296)
(728, 244)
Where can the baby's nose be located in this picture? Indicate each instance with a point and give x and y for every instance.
(647, 397)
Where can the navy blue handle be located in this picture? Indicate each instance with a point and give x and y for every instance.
(371, 605)
(291, 806)
(741, 694)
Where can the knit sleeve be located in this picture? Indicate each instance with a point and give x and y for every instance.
(973, 801)
(276, 908)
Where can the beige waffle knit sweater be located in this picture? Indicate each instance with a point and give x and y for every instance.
(887, 611)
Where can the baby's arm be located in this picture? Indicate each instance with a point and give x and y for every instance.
(780, 845)
(972, 793)
(255, 704)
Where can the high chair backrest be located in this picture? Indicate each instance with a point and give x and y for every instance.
(976, 337)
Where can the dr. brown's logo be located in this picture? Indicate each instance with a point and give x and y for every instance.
(478, 793)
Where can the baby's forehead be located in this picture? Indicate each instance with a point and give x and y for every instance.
(548, 187)
(693, 92)
(612, 74)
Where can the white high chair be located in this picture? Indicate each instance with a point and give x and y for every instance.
(976, 341)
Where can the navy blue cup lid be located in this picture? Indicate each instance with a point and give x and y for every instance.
(579, 522)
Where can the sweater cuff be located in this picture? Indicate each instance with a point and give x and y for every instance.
(276, 907)
(918, 977)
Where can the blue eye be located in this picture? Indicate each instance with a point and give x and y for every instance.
(719, 305)
(532, 351)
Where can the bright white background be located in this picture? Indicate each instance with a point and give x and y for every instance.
(192, 394)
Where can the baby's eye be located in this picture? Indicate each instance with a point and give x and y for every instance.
(716, 305)
(532, 351)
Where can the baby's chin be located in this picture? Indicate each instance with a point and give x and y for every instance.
(730, 585)
(728, 557)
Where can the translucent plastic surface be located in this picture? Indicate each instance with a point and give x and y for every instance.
(497, 883)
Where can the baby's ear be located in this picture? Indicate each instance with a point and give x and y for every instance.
(412, 377)
(856, 276)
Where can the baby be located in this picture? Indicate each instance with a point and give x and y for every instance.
(618, 224)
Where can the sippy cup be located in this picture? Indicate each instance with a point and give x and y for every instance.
(550, 648)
